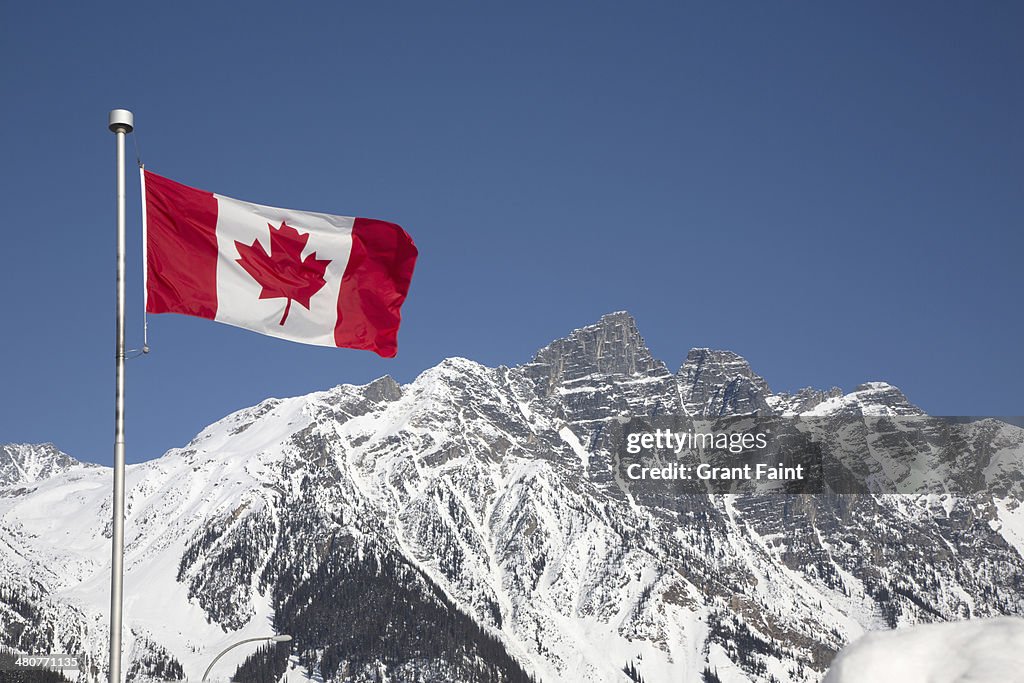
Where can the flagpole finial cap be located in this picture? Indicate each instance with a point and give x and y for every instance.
(121, 121)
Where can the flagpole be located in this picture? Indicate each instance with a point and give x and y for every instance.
(121, 122)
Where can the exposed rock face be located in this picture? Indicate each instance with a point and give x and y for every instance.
(470, 526)
(612, 347)
(716, 383)
(22, 464)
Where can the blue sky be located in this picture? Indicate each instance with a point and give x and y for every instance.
(833, 190)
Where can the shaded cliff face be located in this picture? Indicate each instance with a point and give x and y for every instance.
(469, 526)
(714, 383)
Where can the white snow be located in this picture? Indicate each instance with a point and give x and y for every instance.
(574, 443)
(976, 651)
(1010, 523)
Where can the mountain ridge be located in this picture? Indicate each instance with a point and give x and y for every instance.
(24, 463)
(491, 493)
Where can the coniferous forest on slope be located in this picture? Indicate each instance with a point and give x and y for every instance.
(372, 614)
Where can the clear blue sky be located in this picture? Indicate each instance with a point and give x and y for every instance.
(833, 190)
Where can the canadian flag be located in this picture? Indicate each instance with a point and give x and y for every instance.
(308, 277)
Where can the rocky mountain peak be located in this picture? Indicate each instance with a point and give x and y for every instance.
(868, 399)
(803, 400)
(884, 398)
(611, 346)
(22, 463)
(716, 382)
(383, 390)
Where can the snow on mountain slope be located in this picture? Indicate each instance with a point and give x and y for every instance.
(474, 516)
(61, 533)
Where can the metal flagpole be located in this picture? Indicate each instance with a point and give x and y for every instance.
(121, 122)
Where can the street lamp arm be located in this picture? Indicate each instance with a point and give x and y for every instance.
(276, 639)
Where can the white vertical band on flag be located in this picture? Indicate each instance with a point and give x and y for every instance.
(238, 293)
(145, 263)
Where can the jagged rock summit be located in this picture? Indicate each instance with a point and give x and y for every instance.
(721, 383)
(22, 464)
(612, 346)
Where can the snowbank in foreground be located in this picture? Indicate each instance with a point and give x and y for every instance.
(977, 651)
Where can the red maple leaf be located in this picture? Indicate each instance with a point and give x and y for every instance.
(284, 273)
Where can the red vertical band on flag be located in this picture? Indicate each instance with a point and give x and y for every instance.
(181, 249)
(374, 286)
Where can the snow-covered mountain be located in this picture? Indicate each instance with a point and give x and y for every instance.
(22, 463)
(472, 526)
